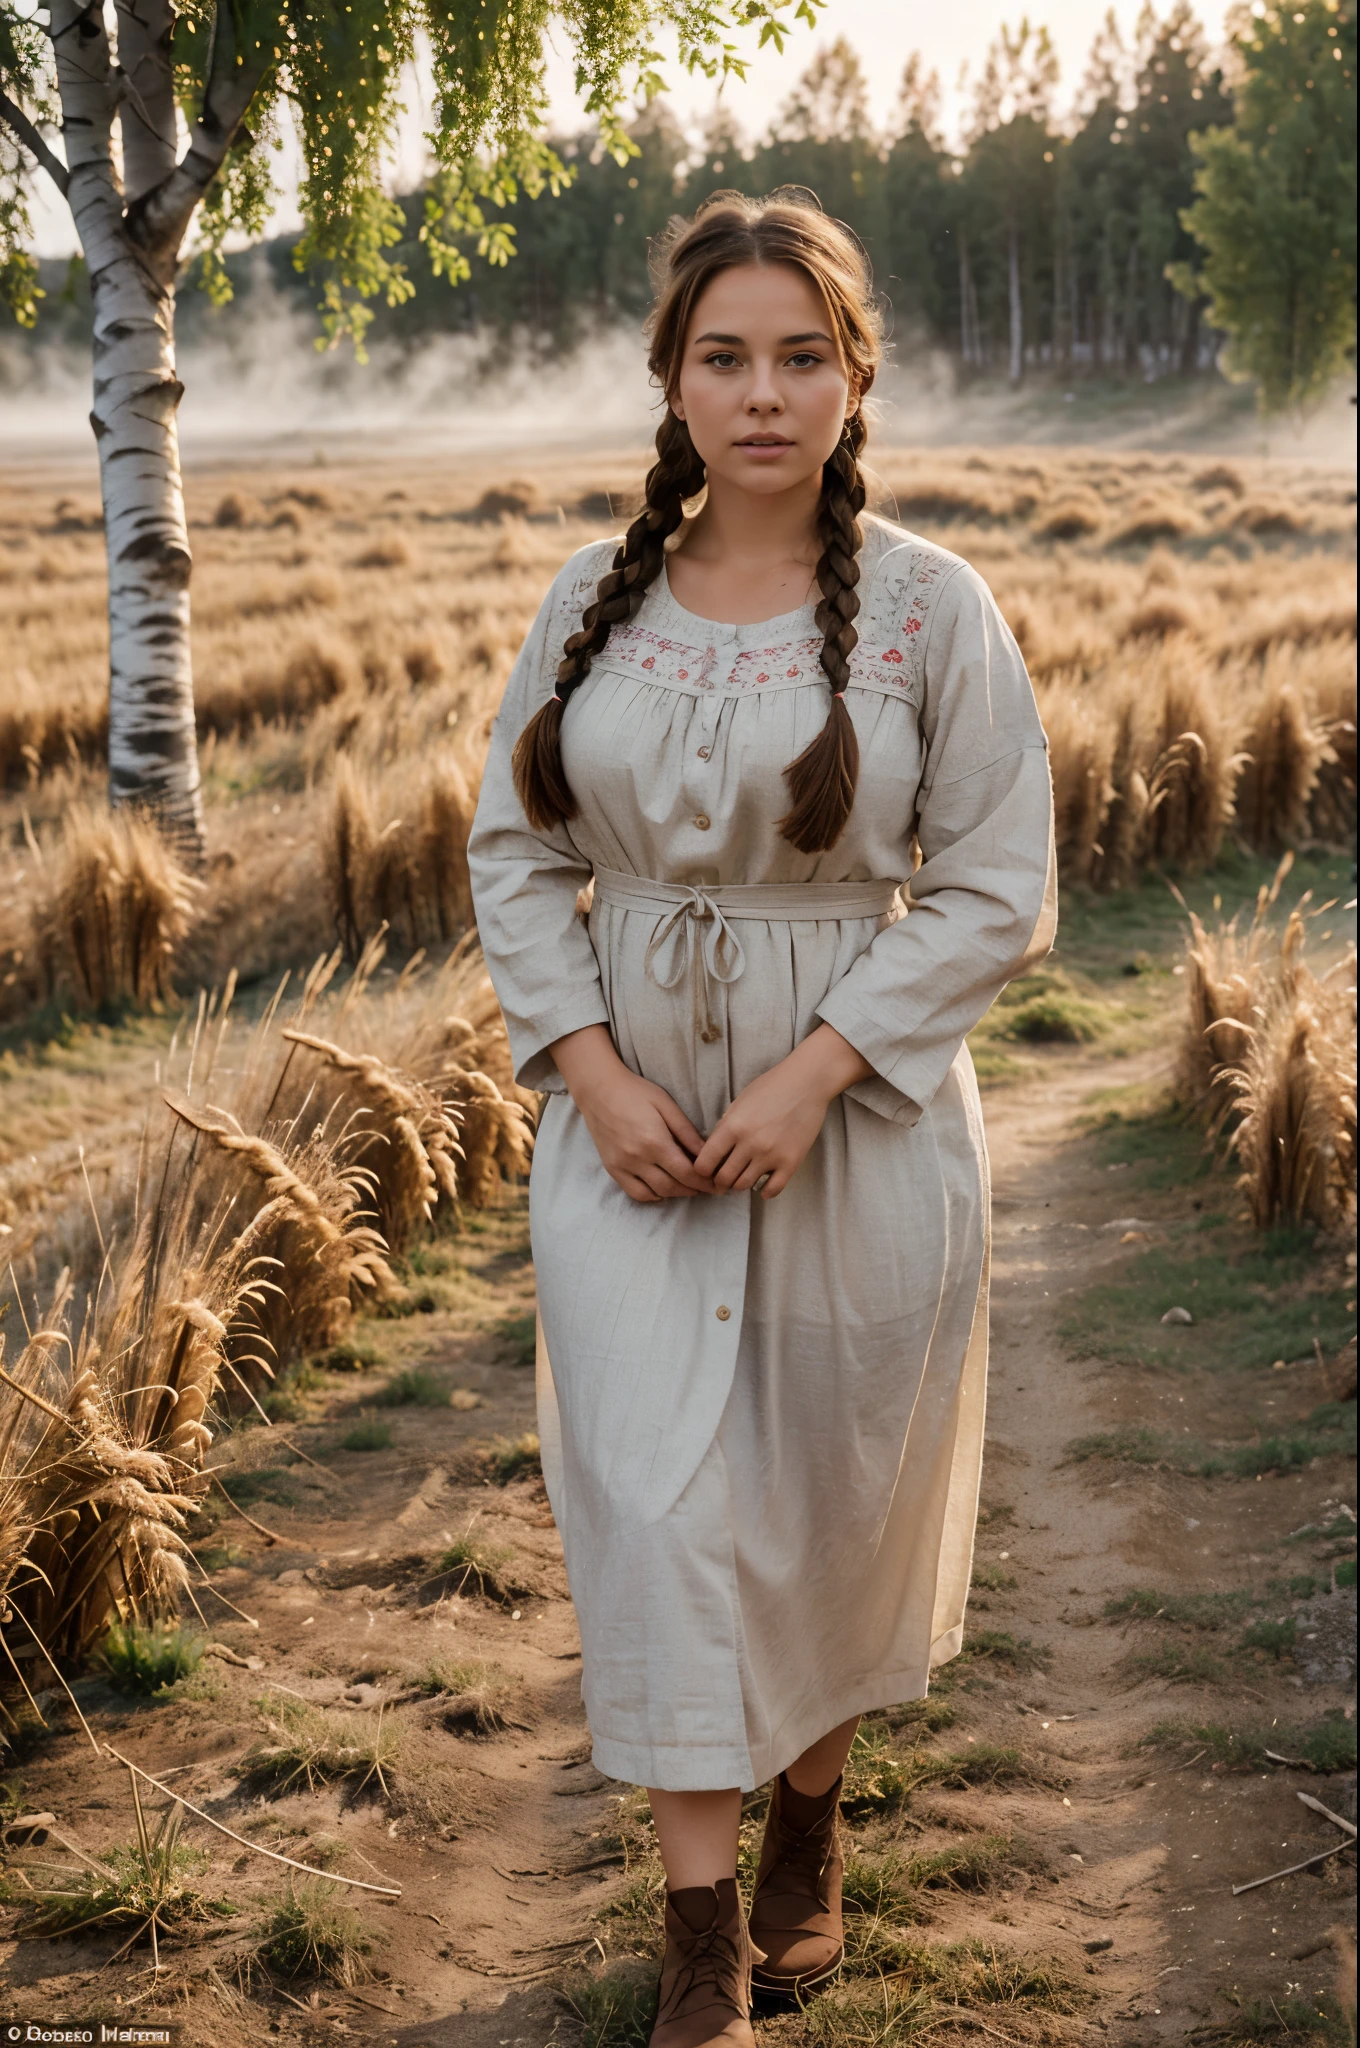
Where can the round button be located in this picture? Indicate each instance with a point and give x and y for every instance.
(723, 1313)
(703, 753)
(701, 822)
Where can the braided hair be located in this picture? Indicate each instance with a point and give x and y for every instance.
(788, 227)
(676, 474)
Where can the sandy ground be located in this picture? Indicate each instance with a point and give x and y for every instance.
(503, 1847)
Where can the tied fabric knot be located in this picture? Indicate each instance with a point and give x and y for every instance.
(676, 951)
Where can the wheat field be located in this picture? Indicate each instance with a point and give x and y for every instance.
(1190, 627)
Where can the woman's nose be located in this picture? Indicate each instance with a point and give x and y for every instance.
(763, 395)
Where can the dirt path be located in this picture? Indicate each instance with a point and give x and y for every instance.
(504, 1844)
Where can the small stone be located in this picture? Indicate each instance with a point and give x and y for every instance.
(1178, 1315)
(1098, 1948)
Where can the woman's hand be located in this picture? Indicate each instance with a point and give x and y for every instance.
(773, 1124)
(645, 1141)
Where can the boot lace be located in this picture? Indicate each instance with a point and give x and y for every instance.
(711, 1963)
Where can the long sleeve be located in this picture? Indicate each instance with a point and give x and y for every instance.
(984, 900)
(525, 883)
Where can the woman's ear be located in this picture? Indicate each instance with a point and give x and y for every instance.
(676, 408)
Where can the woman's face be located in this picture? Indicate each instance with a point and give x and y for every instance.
(762, 385)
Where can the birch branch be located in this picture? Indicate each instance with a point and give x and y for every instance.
(158, 219)
(15, 118)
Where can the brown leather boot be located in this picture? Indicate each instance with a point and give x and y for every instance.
(796, 1911)
(705, 1999)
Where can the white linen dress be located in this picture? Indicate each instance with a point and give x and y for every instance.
(762, 1421)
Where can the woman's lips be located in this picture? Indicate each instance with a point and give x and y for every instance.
(766, 448)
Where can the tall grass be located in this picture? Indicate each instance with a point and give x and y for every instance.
(1294, 1094)
(112, 907)
(1268, 1053)
(396, 852)
(252, 1229)
(1193, 646)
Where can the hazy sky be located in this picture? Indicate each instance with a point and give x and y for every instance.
(949, 36)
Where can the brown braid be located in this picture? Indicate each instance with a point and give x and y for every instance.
(822, 780)
(677, 474)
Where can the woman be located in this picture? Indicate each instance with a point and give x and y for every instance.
(761, 1418)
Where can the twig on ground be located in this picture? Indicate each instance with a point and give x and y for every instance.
(1326, 1812)
(298, 1452)
(363, 1999)
(233, 1657)
(268, 1534)
(333, 1876)
(1321, 1857)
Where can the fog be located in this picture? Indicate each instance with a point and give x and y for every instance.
(259, 392)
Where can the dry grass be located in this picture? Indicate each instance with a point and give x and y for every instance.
(351, 647)
(111, 908)
(100, 1454)
(1268, 1052)
(307, 1746)
(396, 853)
(310, 1933)
(274, 1185)
(1294, 1094)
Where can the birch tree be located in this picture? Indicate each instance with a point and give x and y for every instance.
(159, 127)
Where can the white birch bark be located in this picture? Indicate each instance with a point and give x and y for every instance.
(130, 231)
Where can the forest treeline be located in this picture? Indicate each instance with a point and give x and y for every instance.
(1034, 242)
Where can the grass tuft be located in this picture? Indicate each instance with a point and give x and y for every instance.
(141, 1658)
(368, 1436)
(471, 1565)
(881, 1774)
(1190, 1610)
(616, 2009)
(350, 1354)
(149, 1885)
(312, 1932)
(1179, 1664)
(929, 1982)
(309, 1746)
(1327, 1433)
(513, 1458)
(419, 1389)
(1326, 1745)
(519, 1335)
(479, 1694)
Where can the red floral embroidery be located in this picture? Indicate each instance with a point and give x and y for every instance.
(911, 625)
(683, 674)
(650, 662)
(762, 678)
(892, 654)
(792, 671)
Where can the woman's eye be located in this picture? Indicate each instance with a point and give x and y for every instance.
(723, 360)
(803, 360)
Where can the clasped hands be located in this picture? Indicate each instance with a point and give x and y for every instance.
(649, 1146)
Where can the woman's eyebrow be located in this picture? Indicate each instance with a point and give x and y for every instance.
(789, 340)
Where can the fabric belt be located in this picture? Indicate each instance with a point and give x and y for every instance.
(678, 950)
